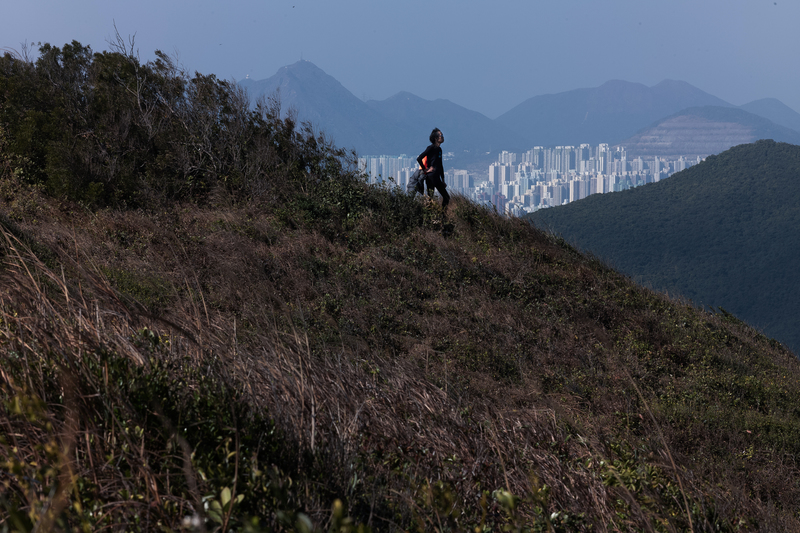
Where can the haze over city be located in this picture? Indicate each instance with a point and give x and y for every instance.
(485, 56)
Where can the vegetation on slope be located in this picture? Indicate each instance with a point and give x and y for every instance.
(303, 351)
(722, 233)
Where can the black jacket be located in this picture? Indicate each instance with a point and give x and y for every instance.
(434, 155)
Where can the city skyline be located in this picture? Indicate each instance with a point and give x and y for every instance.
(542, 177)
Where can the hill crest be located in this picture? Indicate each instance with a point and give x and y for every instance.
(611, 113)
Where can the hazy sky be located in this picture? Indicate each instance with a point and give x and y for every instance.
(485, 55)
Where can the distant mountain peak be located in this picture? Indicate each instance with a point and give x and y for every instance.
(304, 64)
(610, 113)
(776, 111)
(405, 96)
(665, 83)
(615, 84)
(304, 69)
(705, 130)
(768, 101)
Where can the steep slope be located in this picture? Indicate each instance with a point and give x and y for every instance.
(489, 378)
(722, 233)
(317, 97)
(701, 131)
(606, 114)
(252, 338)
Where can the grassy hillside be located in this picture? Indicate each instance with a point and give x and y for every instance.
(311, 353)
(722, 233)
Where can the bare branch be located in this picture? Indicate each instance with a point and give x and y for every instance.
(119, 45)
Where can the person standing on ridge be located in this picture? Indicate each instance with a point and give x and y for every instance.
(431, 162)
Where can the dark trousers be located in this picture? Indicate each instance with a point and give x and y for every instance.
(437, 183)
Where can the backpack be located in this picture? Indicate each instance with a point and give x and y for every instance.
(416, 182)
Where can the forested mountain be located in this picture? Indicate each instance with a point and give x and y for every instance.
(722, 233)
(210, 321)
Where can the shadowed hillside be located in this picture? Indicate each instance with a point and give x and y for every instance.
(723, 233)
(282, 347)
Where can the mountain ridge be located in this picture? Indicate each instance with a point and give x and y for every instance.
(701, 131)
(610, 113)
(468, 130)
(320, 99)
(776, 111)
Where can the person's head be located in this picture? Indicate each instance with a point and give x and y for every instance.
(436, 134)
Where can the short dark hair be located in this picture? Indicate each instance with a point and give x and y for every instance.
(435, 135)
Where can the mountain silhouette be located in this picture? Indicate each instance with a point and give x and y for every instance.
(607, 114)
(776, 111)
(645, 118)
(702, 131)
(320, 99)
(468, 130)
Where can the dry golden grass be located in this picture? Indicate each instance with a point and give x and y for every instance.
(410, 376)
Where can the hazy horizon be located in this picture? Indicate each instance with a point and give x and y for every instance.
(485, 57)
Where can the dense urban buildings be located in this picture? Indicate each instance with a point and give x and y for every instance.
(539, 178)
